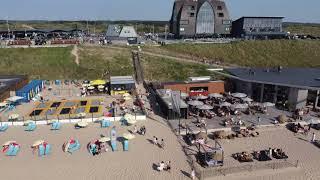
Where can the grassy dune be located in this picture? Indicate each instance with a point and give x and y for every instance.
(254, 53)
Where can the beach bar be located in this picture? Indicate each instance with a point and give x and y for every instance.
(121, 84)
(30, 90)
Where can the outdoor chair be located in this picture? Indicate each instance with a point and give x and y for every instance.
(126, 145)
(74, 147)
(10, 150)
(55, 126)
(105, 123)
(31, 127)
(15, 151)
(4, 127)
(114, 145)
(279, 155)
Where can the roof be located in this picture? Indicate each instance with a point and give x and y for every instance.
(121, 80)
(113, 30)
(30, 86)
(308, 78)
(258, 17)
(165, 95)
(8, 80)
(128, 31)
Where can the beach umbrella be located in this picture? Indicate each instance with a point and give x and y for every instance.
(37, 143)
(8, 143)
(97, 82)
(239, 106)
(202, 97)
(225, 104)
(126, 95)
(268, 104)
(128, 136)
(313, 121)
(82, 124)
(195, 103)
(201, 135)
(100, 86)
(104, 139)
(246, 99)
(27, 122)
(216, 95)
(90, 87)
(239, 95)
(14, 116)
(205, 107)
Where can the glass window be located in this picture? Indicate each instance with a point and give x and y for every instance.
(205, 19)
(221, 15)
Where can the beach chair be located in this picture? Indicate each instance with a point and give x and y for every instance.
(92, 148)
(114, 145)
(10, 150)
(55, 126)
(47, 149)
(126, 145)
(4, 127)
(41, 150)
(15, 151)
(105, 123)
(31, 127)
(74, 147)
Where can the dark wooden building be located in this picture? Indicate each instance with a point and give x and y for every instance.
(192, 18)
(10, 83)
(258, 28)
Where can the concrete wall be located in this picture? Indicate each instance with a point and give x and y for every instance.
(297, 98)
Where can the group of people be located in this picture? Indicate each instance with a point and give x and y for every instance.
(164, 166)
(141, 131)
(158, 143)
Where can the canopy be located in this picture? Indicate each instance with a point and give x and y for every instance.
(268, 104)
(128, 136)
(82, 124)
(215, 95)
(14, 98)
(202, 97)
(239, 95)
(14, 116)
(201, 135)
(205, 107)
(90, 87)
(246, 99)
(100, 86)
(37, 143)
(98, 82)
(104, 139)
(225, 104)
(8, 143)
(195, 103)
(313, 121)
(239, 106)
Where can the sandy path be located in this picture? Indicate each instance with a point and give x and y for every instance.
(76, 54)
(136, 164)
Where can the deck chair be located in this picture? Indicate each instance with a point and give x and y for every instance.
(10, 150)
(15, 151)
(74, 147)
(4, 127)
(31, 127)
(105, 123)
(126, 145)
(47, 149)
(41, 150)
(114, 145)
(55, 126)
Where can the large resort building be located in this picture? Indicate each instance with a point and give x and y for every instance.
(194, 18)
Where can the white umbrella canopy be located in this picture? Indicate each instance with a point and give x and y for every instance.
(128, 136)
(195, 103)
(90, 87)
(104, 139)
(82, 124)
(14, 98)
(202, 97)
(268, 104)
(239, 95)
(313, 121)
(247, 99)
(239, 106)
(216, 95)
(225, 104)
(205, 107)
(100, 86)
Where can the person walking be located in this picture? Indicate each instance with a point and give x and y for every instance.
(313, 137)
(259, 119)
(161, 144)
(155, 140)
(193, 174)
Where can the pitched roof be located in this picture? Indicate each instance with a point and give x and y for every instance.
(128, 31)
(113, 30)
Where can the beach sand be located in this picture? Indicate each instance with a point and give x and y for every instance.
(136, 164)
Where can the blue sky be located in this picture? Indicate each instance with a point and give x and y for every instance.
(293, 10)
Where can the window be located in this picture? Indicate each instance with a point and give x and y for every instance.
(220, 14)
(219, 7)
(191, 14)
(192, 8)
(181, 29)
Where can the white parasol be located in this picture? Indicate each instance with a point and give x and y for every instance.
(239, 95)
(205, 107)
(90, 87)
(225, 104)
(247, 99)
(195, 103)
(216, 95)
(128, 136)
(239, 106)
(104, 139)
(268, 104)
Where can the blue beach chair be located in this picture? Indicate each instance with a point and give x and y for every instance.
(4, 127)
(105, 123)
(10, 150)
(74, 147)
(15, 151)
(126, 145)
(31, 127)
(114, 145)
(56, 125)
(47, 149)
(41, 150)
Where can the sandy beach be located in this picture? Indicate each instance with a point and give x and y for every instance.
(135, 164)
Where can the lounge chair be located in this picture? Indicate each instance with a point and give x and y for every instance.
(41, 150)
(56, 126)
(105, 123)
(4, 127)
(114, 145)
(47, 149)
(278, 155)
(262, 155)
(126, 145)
(31, 127)
(10, 150)
(74, 147)
(15, 151)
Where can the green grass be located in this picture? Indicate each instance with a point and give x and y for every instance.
(161, 69)
(306, 29)
(286, 53)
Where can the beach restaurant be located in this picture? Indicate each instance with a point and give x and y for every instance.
(121, 84)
